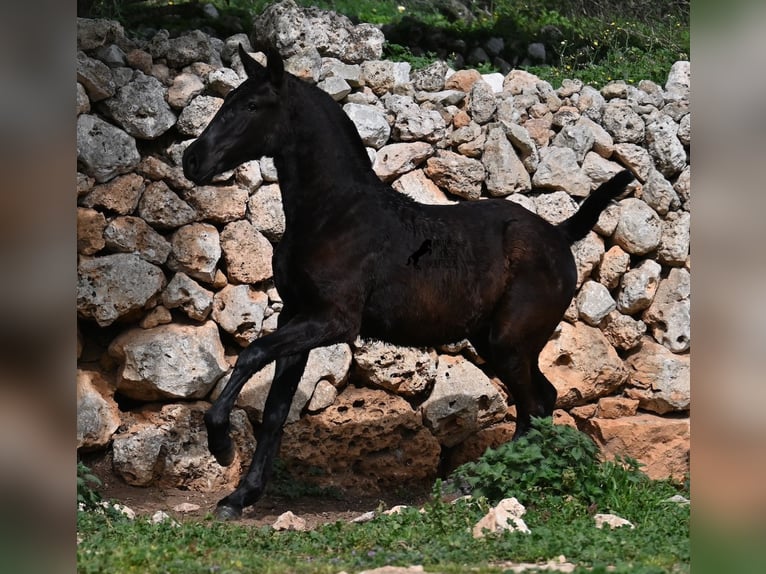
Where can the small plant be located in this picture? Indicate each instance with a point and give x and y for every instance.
(87, 497)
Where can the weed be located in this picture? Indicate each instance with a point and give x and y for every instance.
(87, 497)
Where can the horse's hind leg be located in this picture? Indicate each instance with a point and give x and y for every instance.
(287, 375)
(544, 388)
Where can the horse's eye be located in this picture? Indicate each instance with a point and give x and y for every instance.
(252, 107)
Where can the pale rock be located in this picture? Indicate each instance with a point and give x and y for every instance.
(612, 521)
(120, 195)
(196, 249)
(324, 395)
(103, 150)
(248, 175)
(523, 142)
(682, 186)
(481, 102)
(431, 78)
(506, 516)
(268, 170)
(665, 147)
(370, 122)
(590, 103)
(639, 229)
(405, 371)
(661, 444)
(659, 194)
(594, 303)
(197, 115)
(95, 77)
(559, 170)
(635, 158)
(540, 130)
(97, 413)
(524, 201)
(367, 439)
(115, 286)
(289, 521)
(90, 231)
(613, 266)
(191, 47)
(166, 446)
(84, 184)
(577, 137)
(669, 315)
(139, 107)
(336, 87)
(616, 89)
(462, 401)
(599, 169)
(161, 207)
(678, 84)
(462, 80)
(265, 211)
(623, 331)
(638, 286)
(555, 207)
(133, 235)
(219, 204)
(413, 122)
(349, 73)
(185, 87)
(169, 362)
(608, 220)
(582, 365)
(684, 134)
(565, 116)
(616, 407)
(93, 33)
(239, 310)
(158, 316)
(441, 98)
(394, 160)
(305, 64)
(587, 252)
(188, 295)
(505, 172)
(603, 144)
(676, 235)
(186, 507)
(624, 125)
(659, 379)
(459, 175)
(247, 253)
(416, 185)
(520, 82)
(155, 169)
(569, 87)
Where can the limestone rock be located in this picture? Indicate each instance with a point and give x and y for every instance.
(578, 137)
(97, 413)
(587, 252)
(459, 175)
(218, 204)
(669, 315)
(161, 207)
(625, 125)
(197, 115)
(481, 104)
(289, 521)
(462, 401)
(622, 331)
(505, 516)
(383, 76)
(396, 159)
(639, 230)
(675, 239)
(594, 303)
(239, 310)
(638, 287)
(169, 361)
(196, 249)
(659, 194)
(559, 170)
(266, 213)
(120, 195)
(613, 266)
(370, 123)
(416, 185)
(659, 379)
(90, 231)
(133, 235)
(114, 286)
(247, 253)
(103, 150)
(505, 173)
(139, 107)
(581, 364)
(612, 521)
(555, 207)
(664, 146)
(616, 407)
(188, 295)
(405, 371)
(95, 77)
(185, 87)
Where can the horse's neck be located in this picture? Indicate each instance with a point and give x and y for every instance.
(321, 164)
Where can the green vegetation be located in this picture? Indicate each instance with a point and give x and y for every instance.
(596, 41)
(554, 472)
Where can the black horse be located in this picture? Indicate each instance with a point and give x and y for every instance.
(358, 258)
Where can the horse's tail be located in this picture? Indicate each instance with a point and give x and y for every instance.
(578, 226)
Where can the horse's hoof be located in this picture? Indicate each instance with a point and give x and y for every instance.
(224, 456)
(224, 513)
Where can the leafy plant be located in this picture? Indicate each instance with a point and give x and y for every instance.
(86, 481)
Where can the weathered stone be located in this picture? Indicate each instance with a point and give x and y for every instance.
(612, 521)
(603, 144)
(587, 253)
(590, 103)
(367, 440)
(616, 407)
(120, 195)
(370, 123)
(635, 158)
(608, 220)
(481, 104)
(659, 378)
(622, 331)
(520, 82)
(669, 315)
(167, 447)
(413, 122)
(523, 142)
(676, 234)
(613, 266)
(555, 207)
(247, 253)
(116, 285)
(96, 32)
(416, 185)
(83, 102)
(678, 84)
(289, 521)
(103, 150)
(158, 316)
(155, 169)
(661, 444)
(638, 287)
(169, 361)
(97, 413)
(185, 87)
(161, 207)
(324, 395)
(194, 46)
(581, 364)
(559, 170)
(248, 175)
(195, 250)
(239, 310)
(462, 401)
(197, 115)
(95, 77)
(90, 231)
(459, 175)
(625, 125)
(405, 371)
(338, 88)
(505, 173)
(684, 134)
(462, 80)
(385, 76)
(133, 235)
(265, 211)
(664, 146)
(503, 517)
(639, 230)
(139, 107)
(594, 303)
(394, 160)
(577, 137)
(682, 185)
(349, 73)
(431, 78)
(222, 81)
(305, 64)
(219, 204)
(185, 293)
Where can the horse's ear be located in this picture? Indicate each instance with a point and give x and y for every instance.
(275, 66)
(251, 66)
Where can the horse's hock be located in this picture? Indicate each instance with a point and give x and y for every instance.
(173, 279)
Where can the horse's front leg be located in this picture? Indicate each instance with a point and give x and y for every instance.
(287, 375)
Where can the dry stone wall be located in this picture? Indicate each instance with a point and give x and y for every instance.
(175, 279)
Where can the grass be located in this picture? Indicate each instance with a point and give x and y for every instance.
(561, 521)
(595, 41)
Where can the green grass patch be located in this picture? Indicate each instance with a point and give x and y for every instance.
(537, 470)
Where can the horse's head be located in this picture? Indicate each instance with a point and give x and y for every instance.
(247, 125)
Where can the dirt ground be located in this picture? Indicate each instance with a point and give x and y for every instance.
(315, 510)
